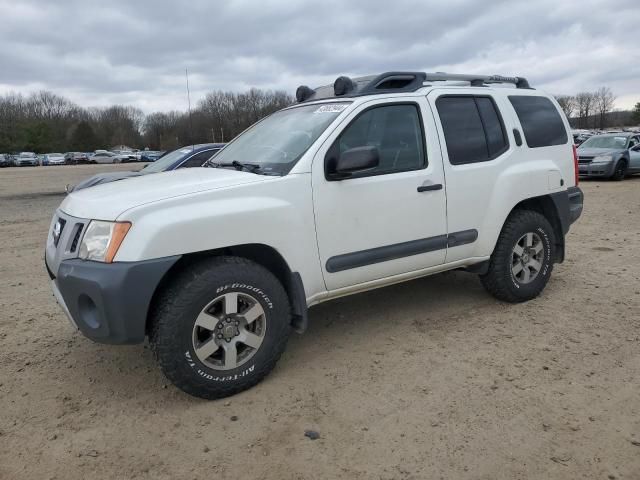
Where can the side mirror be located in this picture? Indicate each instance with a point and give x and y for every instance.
(354, 160)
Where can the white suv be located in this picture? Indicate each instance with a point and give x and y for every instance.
(361, 184)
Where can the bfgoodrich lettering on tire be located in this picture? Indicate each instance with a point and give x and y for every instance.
(522, 261)
(220, 326)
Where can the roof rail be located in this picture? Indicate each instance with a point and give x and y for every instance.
(396, 82)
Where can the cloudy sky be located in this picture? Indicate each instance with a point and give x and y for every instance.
(135, 51)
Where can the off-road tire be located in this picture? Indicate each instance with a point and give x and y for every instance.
(174, 314)
(499, 279)
(620, 171)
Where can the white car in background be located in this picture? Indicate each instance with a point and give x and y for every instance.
(53, 159)
(104, 156)
(125, 156)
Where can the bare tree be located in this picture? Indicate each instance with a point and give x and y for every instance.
(567, 103)
(585, 104)
(603, 100)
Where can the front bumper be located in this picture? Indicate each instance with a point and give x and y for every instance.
(596, 169)
(109, 302)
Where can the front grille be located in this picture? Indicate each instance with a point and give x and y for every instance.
(76, 237)
(585, 159)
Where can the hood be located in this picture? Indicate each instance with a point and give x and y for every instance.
(101, 178)
(109, 200)
(594, 152)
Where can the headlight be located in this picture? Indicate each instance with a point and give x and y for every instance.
(102, 240)
(602, 159)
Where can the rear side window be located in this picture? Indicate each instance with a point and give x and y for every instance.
(540, 121)
(473, 129)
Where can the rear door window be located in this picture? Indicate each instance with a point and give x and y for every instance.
(540, 120)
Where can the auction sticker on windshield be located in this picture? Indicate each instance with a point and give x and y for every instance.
(331, 108)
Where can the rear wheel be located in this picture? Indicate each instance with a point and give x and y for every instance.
(220, 327)
(521, 263)
(620, 171)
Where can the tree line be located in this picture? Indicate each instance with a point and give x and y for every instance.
(45, 122)
(589, 109)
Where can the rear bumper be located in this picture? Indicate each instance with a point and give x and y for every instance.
(576, 203)
(109, 303)
(569, 205)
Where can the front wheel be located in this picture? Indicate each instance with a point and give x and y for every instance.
(620, 171)
(522, 261)
(220, 327)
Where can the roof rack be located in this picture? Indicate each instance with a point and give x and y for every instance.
(477, 80)
(396, 82)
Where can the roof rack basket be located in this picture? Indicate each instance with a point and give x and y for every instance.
(477, 80)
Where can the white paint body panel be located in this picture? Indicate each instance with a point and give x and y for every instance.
(308, 219)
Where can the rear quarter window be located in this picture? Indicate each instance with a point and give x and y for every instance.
(473, 129)
(540, 120)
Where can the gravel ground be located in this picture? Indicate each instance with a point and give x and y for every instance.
(425, 380)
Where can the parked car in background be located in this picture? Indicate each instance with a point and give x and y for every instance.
(125, 156)
(611, 155)
(185, 157)
(53, 159)
(580, 136)
(150, 156)
(27, 159)
(75, 158)
(5, 160)
(103, 156)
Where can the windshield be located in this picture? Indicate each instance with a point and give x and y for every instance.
(27, 155)
(277, 142)
(54, 154)
(165, 162)
(605, 142)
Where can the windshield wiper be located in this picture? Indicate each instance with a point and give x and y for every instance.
(250, 167)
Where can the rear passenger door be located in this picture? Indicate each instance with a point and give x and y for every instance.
(476, 148)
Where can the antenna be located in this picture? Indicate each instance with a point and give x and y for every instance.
(186, 73)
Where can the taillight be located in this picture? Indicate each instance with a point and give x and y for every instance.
(575, 164)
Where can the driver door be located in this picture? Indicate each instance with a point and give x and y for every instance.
(390, 219)
(634, 158)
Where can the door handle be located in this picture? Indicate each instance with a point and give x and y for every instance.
(430, 188)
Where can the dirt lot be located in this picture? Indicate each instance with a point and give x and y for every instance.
(430, 379)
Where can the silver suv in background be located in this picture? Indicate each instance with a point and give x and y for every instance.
(612, 155)
(27, 159)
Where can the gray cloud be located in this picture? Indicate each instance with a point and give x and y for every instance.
(98, 53)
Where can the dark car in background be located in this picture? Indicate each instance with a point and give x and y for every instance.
(185, 157)
(5, 160)
(611, 155)
(75, 158)
(150, 156)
